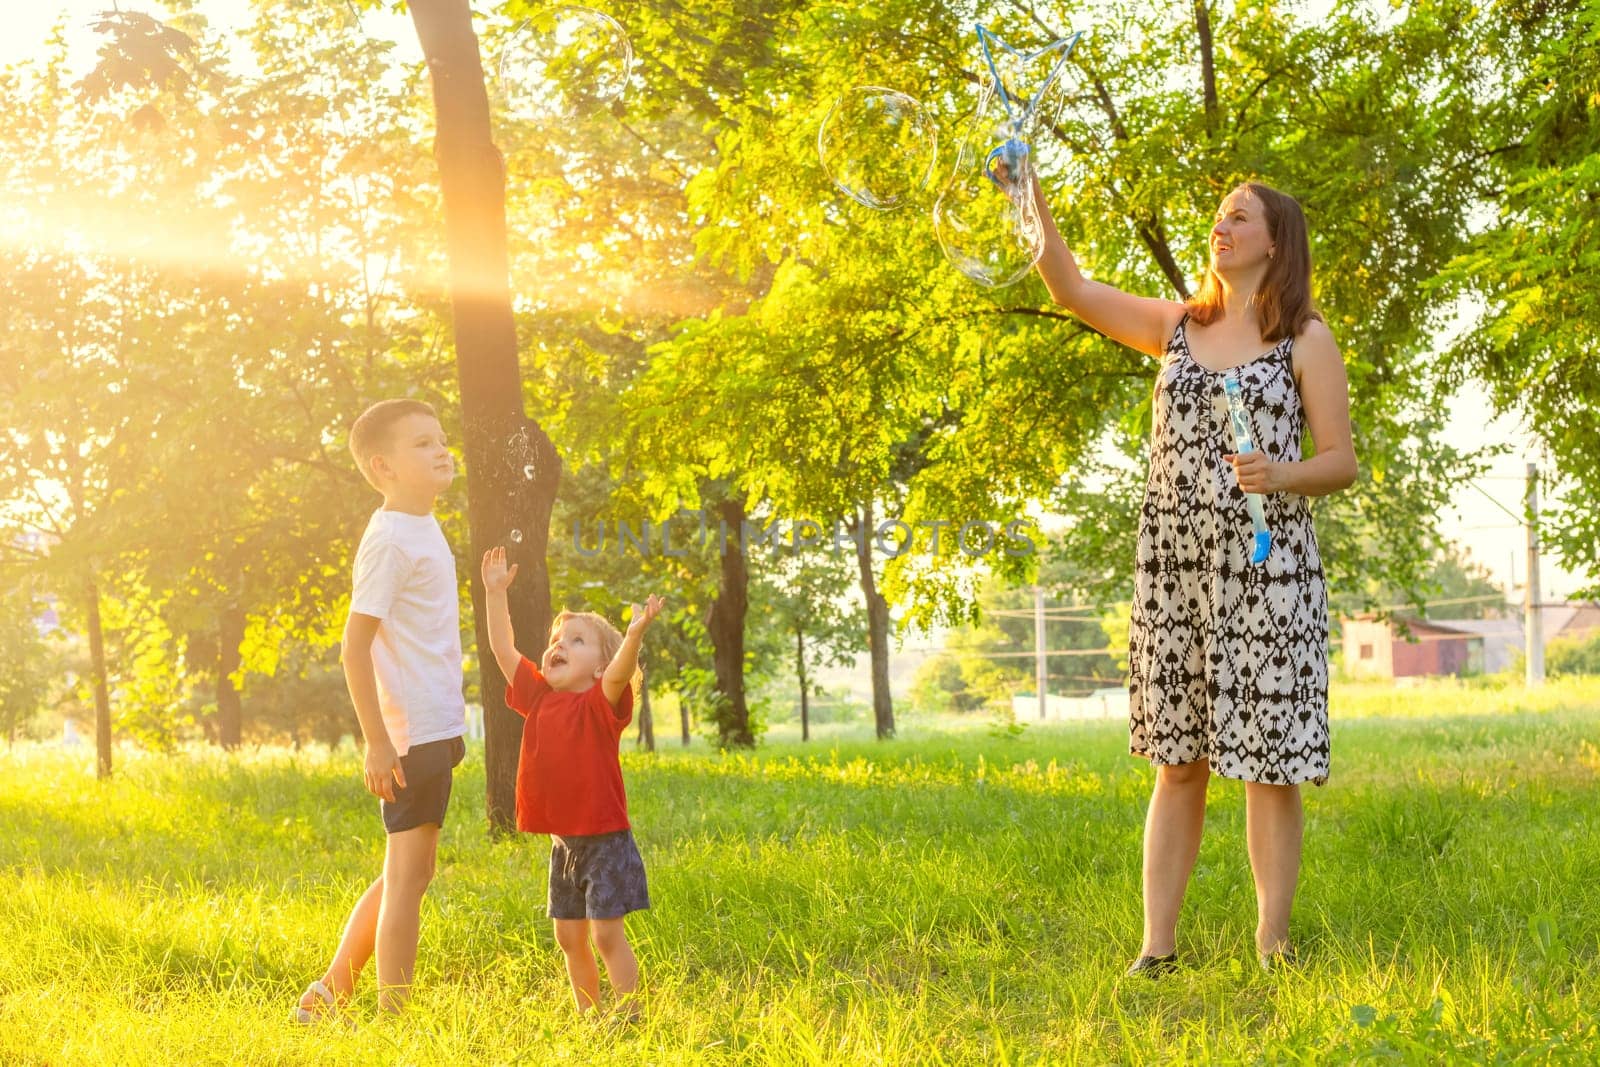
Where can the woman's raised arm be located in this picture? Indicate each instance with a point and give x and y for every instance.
(1140, 322)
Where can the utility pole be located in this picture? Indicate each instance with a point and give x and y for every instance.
(1532, 613)
(1039, 646)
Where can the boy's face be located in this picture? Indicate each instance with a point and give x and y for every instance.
(415, 459)
(574, 659)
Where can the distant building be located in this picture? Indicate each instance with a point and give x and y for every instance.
(1374, 649)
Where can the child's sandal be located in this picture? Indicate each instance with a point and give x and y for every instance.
(310, 1016)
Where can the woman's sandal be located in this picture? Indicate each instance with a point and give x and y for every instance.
(310, 1016)
(1154, 966)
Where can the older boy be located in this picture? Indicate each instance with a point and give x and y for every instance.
(402, 663)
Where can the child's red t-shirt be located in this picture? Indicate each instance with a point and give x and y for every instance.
(568, 778)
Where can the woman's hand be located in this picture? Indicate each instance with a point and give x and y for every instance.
(1257, 473)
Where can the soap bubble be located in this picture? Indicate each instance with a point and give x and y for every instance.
(564, 62)
(516, 537)
(878, 146)
(992, 235)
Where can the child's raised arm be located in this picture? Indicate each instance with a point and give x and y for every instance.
(497, 578)
(619, 672)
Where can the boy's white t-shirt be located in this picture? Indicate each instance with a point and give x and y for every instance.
(406, 576)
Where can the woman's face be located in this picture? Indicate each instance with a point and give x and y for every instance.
(1239, 237)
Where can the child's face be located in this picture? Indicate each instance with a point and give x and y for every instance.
(574, 659)
(415, 460)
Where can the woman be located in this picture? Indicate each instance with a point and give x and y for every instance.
(1228, 660)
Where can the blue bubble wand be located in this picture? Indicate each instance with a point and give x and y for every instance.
(1243, 442)
(1020, 110)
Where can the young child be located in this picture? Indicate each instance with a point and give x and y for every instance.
(577, 702)
(402, 663)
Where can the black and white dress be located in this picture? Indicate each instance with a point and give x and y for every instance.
(1228, 661)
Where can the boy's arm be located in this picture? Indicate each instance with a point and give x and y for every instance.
(382, 769)
(619, 672)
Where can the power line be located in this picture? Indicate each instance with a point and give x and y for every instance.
(1520, 519)
(1047, 617)
(1059, 614)
(1056, 652)
(1480, 598)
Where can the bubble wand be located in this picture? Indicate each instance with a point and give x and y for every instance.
(1014, 151)
(1244, 442)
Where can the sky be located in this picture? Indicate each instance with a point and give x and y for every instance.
(1477, 519)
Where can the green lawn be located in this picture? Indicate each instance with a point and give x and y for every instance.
(957, 895)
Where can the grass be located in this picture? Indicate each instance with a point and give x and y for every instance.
(958, 895)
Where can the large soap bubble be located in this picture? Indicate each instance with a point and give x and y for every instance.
(985, 218)
(565, 62)
(878, 146)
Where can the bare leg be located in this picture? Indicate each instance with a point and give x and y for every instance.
(622, 967)
(1274, 828)
(573, 937)
(355, 948)
(1171, 842)
(407, 870)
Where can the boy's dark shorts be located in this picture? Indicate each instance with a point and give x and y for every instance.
(428, 769)
(600, 876)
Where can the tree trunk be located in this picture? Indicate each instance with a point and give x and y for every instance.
(800, 664)
(513, 469)
(647, 726)
(230, 635)
(727, 630)
(1208, 66)
(877, 630)
(97, 667)
(683, 715)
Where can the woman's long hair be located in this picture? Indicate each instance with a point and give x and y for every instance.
(1283, 302)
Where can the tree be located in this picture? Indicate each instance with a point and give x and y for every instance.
(1455, 586)
(987, 663)
(499, 497)
(75, 441)
(25, 682)
(1531, 273)
(245, 368)
(76, 396)
(1575, 655)
(806, 598)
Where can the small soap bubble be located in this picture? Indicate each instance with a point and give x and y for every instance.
(564, 62)
(516, 537)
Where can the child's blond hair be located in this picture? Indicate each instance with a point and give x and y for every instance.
(610, 640)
